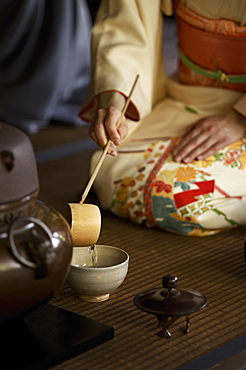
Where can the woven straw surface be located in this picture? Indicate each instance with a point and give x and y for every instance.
(212, 265)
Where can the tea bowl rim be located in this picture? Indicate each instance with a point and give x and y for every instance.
(88, 268)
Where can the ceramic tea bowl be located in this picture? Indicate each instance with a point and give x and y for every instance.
(94, 274)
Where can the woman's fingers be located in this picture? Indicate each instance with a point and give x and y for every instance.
(208, 135)
(109, 124)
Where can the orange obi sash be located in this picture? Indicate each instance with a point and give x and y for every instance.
(211, 58)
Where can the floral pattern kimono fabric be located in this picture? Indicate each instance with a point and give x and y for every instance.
(143, 182)
(190, 199)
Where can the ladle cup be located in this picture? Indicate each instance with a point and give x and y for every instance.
(85, 219)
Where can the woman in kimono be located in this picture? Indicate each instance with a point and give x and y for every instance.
(44, 61)
(179, 155)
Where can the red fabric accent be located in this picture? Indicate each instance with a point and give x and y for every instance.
(190, 196)
(86, 112)
(150, 182)
(213, 52)
(220, 26)
(224, 193)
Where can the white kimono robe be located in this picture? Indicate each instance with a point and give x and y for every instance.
(143, 182)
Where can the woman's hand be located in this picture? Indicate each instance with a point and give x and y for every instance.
(104, 124)
(208, 135)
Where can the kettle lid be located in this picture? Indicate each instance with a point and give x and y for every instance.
(169, 300)
(18, 170)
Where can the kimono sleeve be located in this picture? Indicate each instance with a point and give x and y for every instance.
(127, 40)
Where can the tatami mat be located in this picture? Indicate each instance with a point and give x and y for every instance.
(213, 265)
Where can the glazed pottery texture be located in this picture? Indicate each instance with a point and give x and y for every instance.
(94, 283)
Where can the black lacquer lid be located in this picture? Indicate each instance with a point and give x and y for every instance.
(170, 301)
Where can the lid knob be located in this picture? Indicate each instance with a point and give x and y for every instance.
(169, 281)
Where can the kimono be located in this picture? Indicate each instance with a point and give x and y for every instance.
(144, 183)
(44, 61)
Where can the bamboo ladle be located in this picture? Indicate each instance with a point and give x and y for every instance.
(85, 219)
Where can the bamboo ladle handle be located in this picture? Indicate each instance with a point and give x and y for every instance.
(101, 159)
(85, 219)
